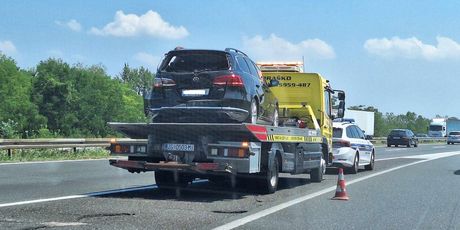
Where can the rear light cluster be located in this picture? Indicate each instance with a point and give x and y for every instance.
(127, 149)
(229, 152)
(163, 82)
(341, 143)
(228, 80)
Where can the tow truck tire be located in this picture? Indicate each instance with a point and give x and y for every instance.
(269, 180)
(169, 179)
(316, 175)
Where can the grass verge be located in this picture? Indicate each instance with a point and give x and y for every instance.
(20, 155)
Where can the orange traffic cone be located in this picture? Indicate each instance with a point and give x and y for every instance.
(340, 192)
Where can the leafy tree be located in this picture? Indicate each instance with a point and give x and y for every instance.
(384, 123)
(139, 79)
(16, 107)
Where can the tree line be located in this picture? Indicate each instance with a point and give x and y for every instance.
(55, 99)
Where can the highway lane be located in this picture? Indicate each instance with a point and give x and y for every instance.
(20, 182)
(203, 205)
(423, 196)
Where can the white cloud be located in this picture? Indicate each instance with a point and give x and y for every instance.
(7, 47)
(413, 48)
(148, 59)
(277, 48)
(71, 24)
(130, 25)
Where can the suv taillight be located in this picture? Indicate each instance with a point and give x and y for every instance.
(228, 80)
(163, 82)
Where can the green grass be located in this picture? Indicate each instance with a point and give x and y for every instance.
(20, 155)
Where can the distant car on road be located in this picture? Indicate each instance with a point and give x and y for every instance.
(402, 137)
(211, 86)
(351, 149)
(453, 137)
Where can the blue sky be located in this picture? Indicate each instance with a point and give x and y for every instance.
(398, 56)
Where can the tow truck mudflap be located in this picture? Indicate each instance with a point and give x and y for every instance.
(148, 166)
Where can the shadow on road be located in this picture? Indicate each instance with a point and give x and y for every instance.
(205, 191)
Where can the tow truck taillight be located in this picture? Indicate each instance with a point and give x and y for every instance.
(228, 80)
(163, 82)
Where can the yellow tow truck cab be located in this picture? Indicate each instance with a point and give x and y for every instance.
(307, 97)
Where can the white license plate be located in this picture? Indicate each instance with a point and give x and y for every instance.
(179, 147)
(396, 138)
(195, 92)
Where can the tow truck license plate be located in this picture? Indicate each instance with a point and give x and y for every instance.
(179, 147)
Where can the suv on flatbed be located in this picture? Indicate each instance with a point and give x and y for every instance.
(211, 86)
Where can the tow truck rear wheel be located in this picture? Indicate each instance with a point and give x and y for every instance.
(316, 175)
(171, 179)
(269, 180)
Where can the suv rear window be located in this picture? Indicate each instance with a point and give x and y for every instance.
(454, 133)
(398, 133)
(195, 61)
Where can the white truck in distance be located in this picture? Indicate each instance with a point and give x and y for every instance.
(364, 119)
(440, 127)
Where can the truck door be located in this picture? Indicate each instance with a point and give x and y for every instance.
(326, 125)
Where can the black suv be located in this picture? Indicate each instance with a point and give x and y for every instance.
(402, 137)
(210, 86)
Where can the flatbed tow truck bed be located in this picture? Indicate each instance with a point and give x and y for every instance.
(184, 151)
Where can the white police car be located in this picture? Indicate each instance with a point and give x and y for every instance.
(350, 148)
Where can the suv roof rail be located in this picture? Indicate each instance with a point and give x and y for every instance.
(235, 50)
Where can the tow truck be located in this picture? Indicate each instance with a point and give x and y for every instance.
(178, 153)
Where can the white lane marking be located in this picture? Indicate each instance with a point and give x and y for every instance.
(77, 196)
(45, 162)
(276, 208)
(431, 155)
(108, 192)
(394, 150)
(439, 147)
(389, 158)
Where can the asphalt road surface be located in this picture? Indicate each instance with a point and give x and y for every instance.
(411, 188)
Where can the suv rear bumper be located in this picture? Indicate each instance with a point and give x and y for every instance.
(198, 114)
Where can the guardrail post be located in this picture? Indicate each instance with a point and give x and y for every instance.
(10, 153)
(74, 149)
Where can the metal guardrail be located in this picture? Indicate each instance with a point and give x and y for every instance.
(383, 140)
(57, 143)
(10, 144)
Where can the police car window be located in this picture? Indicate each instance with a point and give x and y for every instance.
(337, 132)
(350, 133)
(360, 132)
